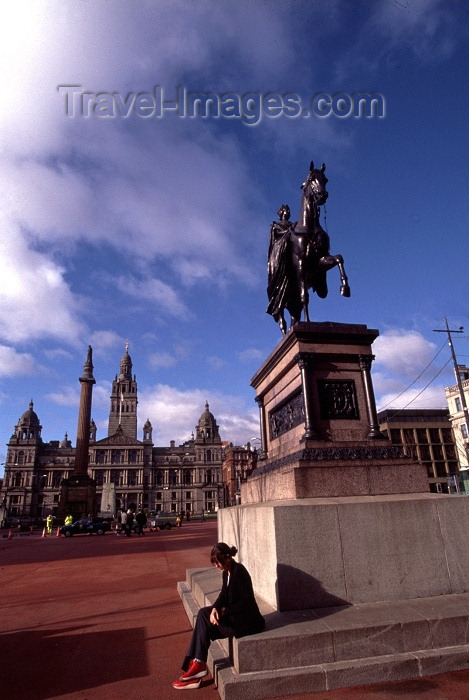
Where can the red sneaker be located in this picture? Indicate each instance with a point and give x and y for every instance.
(187, 685)
(197, 669)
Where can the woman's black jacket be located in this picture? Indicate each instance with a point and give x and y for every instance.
(237, 597)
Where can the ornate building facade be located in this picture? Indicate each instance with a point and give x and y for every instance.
(186, 477)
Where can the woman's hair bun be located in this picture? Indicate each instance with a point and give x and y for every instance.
(233, 551)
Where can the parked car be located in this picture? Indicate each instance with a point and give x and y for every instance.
(86, 526)
(19, 524)
(163, 521)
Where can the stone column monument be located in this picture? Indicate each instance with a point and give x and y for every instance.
(78, 492)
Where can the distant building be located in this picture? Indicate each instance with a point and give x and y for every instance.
(238, 464)
(186, 477)
(458, 421)
(426, 436)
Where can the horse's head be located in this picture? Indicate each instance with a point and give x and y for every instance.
(314, 187)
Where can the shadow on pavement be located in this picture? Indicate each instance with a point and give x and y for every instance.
(81, 660)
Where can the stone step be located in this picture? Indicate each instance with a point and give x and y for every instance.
(325, 648)
(340, 674)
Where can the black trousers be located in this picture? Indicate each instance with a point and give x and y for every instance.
(203, 635)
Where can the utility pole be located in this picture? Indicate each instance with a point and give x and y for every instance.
(456, 371)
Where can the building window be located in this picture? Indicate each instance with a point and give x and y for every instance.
(464, 430)
(18, 479)
(458, 404)
(188, 476)
(116, 476)
(132, 477)
(422, 436)
(116, 457)
(100, 456)
(99, 476)
(132, 456)
(209, 476)
(173, 477)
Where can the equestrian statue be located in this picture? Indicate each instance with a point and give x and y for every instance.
(299, 254)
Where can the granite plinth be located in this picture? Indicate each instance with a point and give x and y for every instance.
(335, 469)
(318, 421)
(321, 552)
(77, 496)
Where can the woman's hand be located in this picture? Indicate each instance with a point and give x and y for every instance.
(214, 616)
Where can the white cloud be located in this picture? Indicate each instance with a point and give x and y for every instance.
(402, 351)
(174, 414)
(432, 397)
(251, 354)
(408, 371)
(424, 29)
(69, 396)
(58, 353)
(102, 341)
(161, 294)
(161, 359)
(14, 363)
(216, 363)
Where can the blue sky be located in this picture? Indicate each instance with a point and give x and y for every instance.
(155, 230)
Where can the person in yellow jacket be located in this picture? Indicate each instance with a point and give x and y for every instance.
(49, 523)
(68, 520)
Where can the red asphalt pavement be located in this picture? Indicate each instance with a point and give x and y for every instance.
(99, 618)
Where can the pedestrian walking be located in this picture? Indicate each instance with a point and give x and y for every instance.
(123, 521)
(141, 520)
(129, 523)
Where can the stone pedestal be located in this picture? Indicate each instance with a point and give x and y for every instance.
(77, 496)
(324, 552)
(319, 429)
(108, 501)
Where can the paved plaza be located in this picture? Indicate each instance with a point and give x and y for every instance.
(99, 618)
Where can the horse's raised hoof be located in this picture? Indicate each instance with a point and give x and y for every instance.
(345, 290)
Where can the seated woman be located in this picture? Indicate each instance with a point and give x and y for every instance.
(234, 614)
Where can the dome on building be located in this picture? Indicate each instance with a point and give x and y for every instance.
(126, 364)
(207, 427)
(66, 443)
(28, 425)
(29, 417)
(206, 418)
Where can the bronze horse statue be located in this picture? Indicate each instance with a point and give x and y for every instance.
(299, 254)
